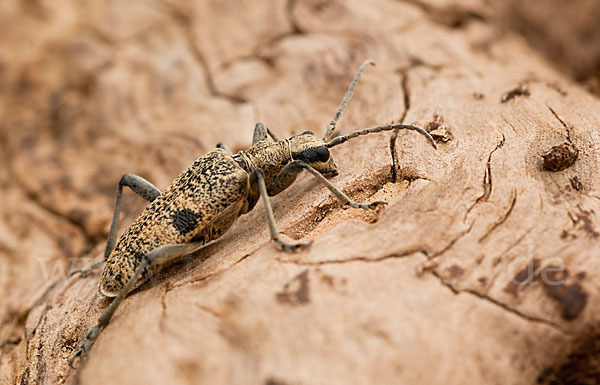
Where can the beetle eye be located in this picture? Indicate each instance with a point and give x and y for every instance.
(308, 132)
(322, 154)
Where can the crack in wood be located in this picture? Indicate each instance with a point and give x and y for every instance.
(90, 240)
(289, 13)
(39, 364)
(503, 217)
(207, 276)
(208, 310)
(409, 253)
(163, 304)
(514, 129)
(451, 16)
(501, 305)
(257, 51)
(406, 99)
(487, 178)
(562, 122)
(451, 243)
(185, 23)
(516, 242)
(404, 83)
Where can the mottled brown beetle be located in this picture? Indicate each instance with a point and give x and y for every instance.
(204, 201)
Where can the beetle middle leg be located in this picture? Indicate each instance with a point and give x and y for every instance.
(160, 256)
(258, 174)
(141, 187)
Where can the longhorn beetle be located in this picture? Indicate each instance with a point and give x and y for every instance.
(204, 201)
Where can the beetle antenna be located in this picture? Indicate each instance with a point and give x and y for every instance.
(338, 113)
(389, 127)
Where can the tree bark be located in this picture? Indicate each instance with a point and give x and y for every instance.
(481, 269)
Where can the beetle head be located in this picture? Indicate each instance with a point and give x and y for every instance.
(313, 151)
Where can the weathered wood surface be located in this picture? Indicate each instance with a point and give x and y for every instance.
(421, 292)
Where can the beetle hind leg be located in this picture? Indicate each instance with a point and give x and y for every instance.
(159, 256)
(223, 146)
(289, 247)
(88, 270)
(141, 187)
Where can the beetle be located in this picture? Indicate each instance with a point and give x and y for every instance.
(203, 202)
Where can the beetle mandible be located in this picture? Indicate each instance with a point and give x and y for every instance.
(202, 203)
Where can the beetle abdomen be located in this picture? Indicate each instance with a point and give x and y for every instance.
(200, 205)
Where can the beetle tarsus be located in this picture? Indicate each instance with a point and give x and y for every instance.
(366, 206)
(291, 247)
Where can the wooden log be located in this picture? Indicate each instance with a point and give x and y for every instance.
(481, 269)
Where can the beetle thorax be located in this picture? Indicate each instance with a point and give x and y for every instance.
(270, 157)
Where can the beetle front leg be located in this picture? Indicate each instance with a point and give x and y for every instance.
(138, 185)
(159, 256)
(141, 187)
(289, 173)
(284, 179)
(290, 247)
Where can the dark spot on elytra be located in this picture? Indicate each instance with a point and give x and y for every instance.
(581, 275)
(560, 157)
(185, 220)
(138, 255)
(295, 292)
(25, 377)
(571, 298)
